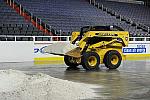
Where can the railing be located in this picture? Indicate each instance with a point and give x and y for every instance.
(55, 38)
(34, 38)
(139, 39)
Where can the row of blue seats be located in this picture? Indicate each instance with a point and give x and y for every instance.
(134, 11)
(67, 16)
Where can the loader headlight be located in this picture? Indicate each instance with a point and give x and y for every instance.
(126, 39)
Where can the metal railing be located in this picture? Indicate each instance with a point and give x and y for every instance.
(55, 38)
(34, 38)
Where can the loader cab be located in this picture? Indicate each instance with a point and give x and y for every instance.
(99, 28)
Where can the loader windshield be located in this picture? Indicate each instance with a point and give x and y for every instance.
(99, 28)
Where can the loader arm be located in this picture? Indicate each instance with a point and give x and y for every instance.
(83, 42)
(74, 37)
(105, 43)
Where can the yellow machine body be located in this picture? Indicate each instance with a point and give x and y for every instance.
(102, 42)
(97, 45)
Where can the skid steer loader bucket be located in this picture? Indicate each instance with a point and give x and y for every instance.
(61, 49)
(74, 53)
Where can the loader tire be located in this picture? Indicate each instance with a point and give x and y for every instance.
(112, 59)
(69, 61)
(90, 61)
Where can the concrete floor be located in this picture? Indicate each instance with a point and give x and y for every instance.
(131, 81)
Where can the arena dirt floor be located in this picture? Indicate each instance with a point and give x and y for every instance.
(131, 81)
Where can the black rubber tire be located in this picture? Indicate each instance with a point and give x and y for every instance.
(67, 60)
(108, 59)
(85, 58)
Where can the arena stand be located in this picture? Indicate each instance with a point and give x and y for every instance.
(67, 16)
(23, 23)
(137, 12)
(134, 14)
(56, 17)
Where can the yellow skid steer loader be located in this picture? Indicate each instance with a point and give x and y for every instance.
(97, 45)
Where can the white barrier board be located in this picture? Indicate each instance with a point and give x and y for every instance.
(20, 51)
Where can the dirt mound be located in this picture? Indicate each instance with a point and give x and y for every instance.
(15, 85)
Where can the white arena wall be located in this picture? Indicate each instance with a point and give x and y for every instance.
(21, 51)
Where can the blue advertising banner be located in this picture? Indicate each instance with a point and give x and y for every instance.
(134, 50)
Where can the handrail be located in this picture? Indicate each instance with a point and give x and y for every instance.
(62, 38)
(34, 38)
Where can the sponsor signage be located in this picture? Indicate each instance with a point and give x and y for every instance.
(137, 49)
(36, 50)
